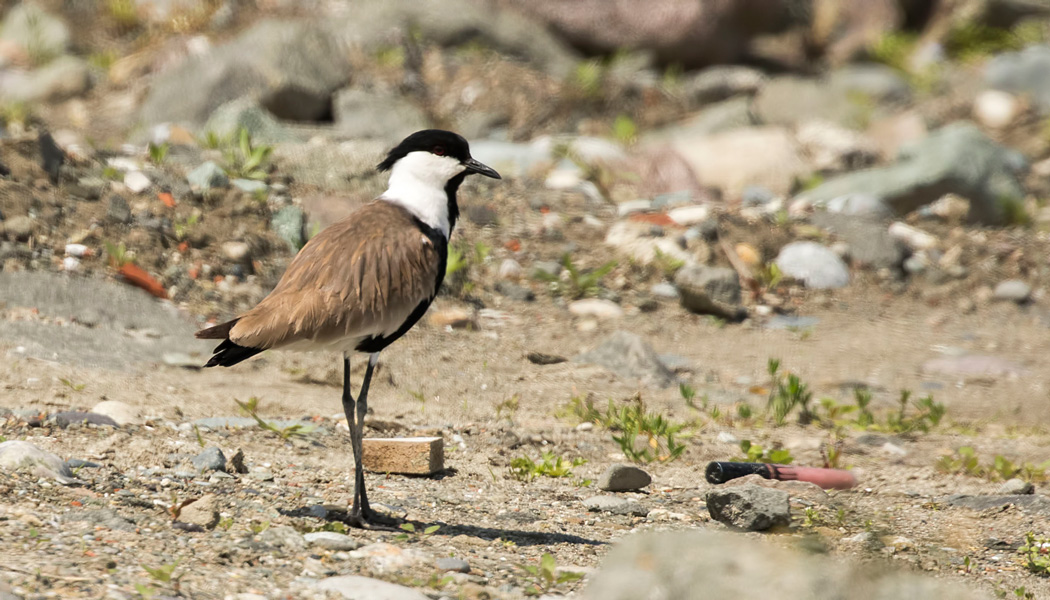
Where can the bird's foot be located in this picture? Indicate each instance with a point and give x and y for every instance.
(370, 520)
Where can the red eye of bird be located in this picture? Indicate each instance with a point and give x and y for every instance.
(439, 150)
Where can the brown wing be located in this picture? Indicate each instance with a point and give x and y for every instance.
(361, 276)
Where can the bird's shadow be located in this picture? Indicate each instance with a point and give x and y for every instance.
(519, 537)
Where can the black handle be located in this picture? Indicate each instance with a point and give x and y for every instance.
(721, 472)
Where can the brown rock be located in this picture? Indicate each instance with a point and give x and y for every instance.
(409, 456)
(203, 512)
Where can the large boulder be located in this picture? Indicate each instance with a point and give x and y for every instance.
(291, 67)
(956, 159)
(723, 566)
(687, 32)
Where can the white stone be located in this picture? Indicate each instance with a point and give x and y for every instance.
(355, 587)
(816, 266)
(690, 215)
(121, 413)
(137, 181)
(913, 237)
(510, 269)
(633, 206)
(995, 108)
(70, 263)
(236, 251)
(16, 455)
(597, 308)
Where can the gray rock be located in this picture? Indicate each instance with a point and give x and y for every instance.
(106, 517)
(115, 309)
(713, 118)
(546, 268)
(211, 459)
(1034, 504)
(956, 159)
(1016, 487)
(710, 291)
(791, 322)
(89, 188)
(331, 540)
(208, 175)
(456, 565)
(623, 478)
(813, 264)
(860, 205)
(335, 166)
(717, 565)
(615, 505)
(291, 67)
(283, 536)
(756, 195)
(246, 113)
(19, 228)
(870, 243)
(40, 34)
(721, 82)
(514, 291)
(749, 507)
(355, 587)
(63, 78)
(226, 422)
(67, 418)
(1025, 73)
(363, 114)
(665, 290)
(118, 210)
(1012, 290)
(847, 97)
(250, 186)
(16, 455)
(628, 355)
(288, 223)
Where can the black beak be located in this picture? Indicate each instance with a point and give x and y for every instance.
(474, 166)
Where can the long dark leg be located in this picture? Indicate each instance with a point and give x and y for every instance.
(351, 422)
(360, 491)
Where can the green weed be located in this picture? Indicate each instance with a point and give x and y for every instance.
(657, 433)
(787, 394)
(119, 255)
(1036, 553)
(158, 152)
(624, 130)
(544, 577)
(250, 408)
(525, 469)
(755, 453)
(580, 284)
(76, 387)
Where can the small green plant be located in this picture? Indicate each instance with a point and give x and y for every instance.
(1014, 212)
(182, 227)
(525, 469)
(865, 418)
(812, 518)
(421, 398)
(589, 77)
(895, 49)
(755, 453)
(463, 258)
(964, 461)
(580, 410)
(1036, 553)
(124, 14)
(15, 114)
(164, 574)
(787, 394)
(158, 152)
(668, 265)
(657, 433)
(545, 576)
(118, 254)
(769, 276)
(624, 130)
(929, 414)
(76, 387)
(242, 156)
(225, 523)
(580, 284)
(510, 405)
(251, 409)
(200, 438)
(257, 527)
(410, 528)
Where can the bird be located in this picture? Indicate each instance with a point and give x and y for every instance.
(364, 281)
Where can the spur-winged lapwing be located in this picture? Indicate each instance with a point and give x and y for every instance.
(363, 282)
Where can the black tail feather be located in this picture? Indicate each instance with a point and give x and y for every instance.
(228, 354)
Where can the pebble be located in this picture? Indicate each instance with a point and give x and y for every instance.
(288, 223)
(70, 263)
(996, 109)
(726, 438)
(454, 317)
(710, 291)
(208, 175)
(913, 237)
(1016, 487)
(19, 228)
(547, 267)
(283, 536)
(623, 478)
(514, 291)
(236, 251)
(331, 540)
(690, 215)
(665, 290)
(118, 210)
(67, 418)
(355, 587)
(388, 557)
(137, 181)
(1012, 290)
(749, 507)
(633, 206)
(813, 264)
(250, 186)
(615, 505)
(456, 565)
(17, 455)
(510, 269)
(203, 512)
(597, 308)
(121, 413)
(211, 459)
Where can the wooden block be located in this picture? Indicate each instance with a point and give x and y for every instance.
(408, 456)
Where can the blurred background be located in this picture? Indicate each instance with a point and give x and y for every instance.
(818, 226)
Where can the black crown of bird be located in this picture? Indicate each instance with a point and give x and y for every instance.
(363, 282)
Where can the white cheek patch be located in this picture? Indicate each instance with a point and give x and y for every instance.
(417, 182)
